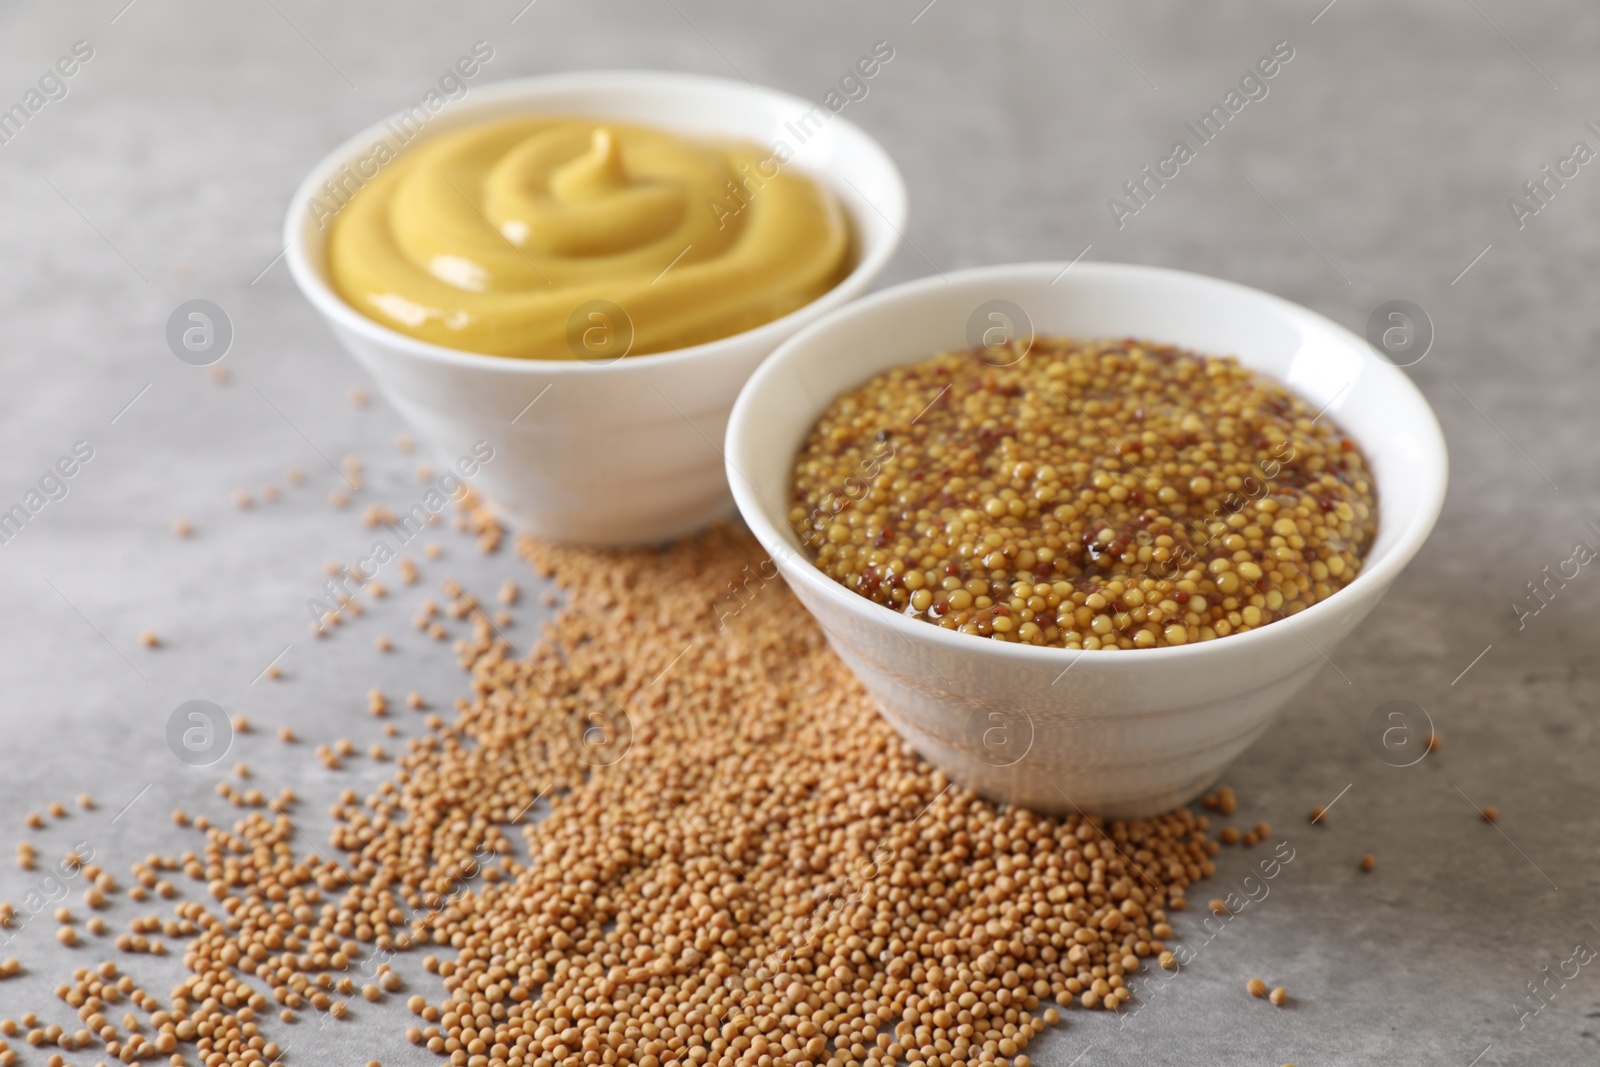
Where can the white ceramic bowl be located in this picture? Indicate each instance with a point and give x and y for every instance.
(1121, 733)
(626, 452)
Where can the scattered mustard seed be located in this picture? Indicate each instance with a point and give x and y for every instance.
(1227, 802)
(1256, 987)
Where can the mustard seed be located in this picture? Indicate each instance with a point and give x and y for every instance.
(1278, 996)
(1256, 987)
(1227, 801)
(1490, 814)
(697, 875)
(1368, 862)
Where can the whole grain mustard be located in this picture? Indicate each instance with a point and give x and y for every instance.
(562, 238)
(1084, 495)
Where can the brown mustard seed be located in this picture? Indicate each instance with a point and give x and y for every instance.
(1083, 495)
(148, 638)
(1490, 814)
(182, 527)
(1368, 862)
(1315, 815)
(1256, 987)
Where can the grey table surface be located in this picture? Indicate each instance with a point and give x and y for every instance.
(1378, 167)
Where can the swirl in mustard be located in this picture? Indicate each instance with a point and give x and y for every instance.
(499, 238)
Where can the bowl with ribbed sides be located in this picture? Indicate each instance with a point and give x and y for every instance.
(1122, 733)
(616, 452)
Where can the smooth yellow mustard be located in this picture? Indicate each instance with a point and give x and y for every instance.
(554, 238)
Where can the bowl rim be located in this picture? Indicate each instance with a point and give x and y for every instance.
(1372, 581)
(314, 285)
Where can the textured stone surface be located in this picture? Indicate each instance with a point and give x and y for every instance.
(1381, 162)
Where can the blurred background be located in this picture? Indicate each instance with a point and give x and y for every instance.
(1386, 161)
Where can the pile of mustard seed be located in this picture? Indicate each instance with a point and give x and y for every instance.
(730, 859)
(1085, 495)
